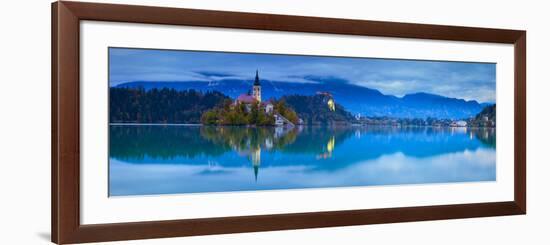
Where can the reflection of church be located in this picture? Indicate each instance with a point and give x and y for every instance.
(254, 151)
(254, 154)
(254, 98)
(255, 158)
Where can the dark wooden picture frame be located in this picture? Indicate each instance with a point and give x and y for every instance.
(65, 175)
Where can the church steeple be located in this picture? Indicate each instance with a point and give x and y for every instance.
(257, 80)
(257, 88)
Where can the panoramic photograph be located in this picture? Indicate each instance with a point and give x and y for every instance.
(204, 122)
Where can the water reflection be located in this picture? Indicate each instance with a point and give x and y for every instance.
(184, 159)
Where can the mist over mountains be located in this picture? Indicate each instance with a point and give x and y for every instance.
(355, 99)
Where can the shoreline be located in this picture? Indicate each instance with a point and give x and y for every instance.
(156, 124)
(298, 125)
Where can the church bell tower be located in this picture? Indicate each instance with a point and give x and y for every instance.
(257, 89)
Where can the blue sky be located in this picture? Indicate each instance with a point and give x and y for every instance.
(470, 81)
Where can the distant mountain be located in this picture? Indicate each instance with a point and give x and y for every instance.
(438, 106)
(356, 99)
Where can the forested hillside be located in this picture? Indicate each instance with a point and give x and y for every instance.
(137, 105)
(314, 110)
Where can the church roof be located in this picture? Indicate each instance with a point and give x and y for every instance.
(257, 80)
(246, 98)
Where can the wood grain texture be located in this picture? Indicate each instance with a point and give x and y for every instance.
(54, 139)
(193, 227)
(66, 17)
(272, 22)
(67, 123)
(520, 122)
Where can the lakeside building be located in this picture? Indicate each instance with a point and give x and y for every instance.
(459, 123)
(255, 96)
(329, 99)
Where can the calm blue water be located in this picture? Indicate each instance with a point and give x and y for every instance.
(189, 159)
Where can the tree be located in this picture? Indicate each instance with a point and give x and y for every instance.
(291, 116)
(247, 114)
(210, 117)
(254, 113)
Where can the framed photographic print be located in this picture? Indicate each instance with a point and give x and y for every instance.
(177, 122)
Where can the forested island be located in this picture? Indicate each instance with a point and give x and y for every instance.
(260, 114)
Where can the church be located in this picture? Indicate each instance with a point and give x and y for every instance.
(255, 97)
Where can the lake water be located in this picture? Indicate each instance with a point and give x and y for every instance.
(155, 159)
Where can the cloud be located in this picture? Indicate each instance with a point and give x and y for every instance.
(465, 80)
(214, 74)
(398, 88)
